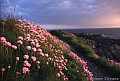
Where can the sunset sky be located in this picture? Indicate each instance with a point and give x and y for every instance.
(94, 13)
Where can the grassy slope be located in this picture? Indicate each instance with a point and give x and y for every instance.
(45, 73)
(81, 47)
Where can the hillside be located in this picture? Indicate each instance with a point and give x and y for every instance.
(101, 52)
(30, 53)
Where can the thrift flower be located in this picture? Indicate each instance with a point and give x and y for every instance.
(28, 47)
(20, 38)
(17, 58)
(27, 64)
(26, 57)
(14, 47)
(34, 49)
(46, 55)
(9, 44)
(28, 35)
(33, 43)
(25, 70)
(2, 39)
(58, 74)
(33, 58)
(39, 50)
(38, 62)
(19, 42)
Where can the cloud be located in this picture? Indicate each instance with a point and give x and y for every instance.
(80, 12)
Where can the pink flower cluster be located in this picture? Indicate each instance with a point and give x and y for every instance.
(37, 39)
(34, 40)
(26, 67)
(84, 64)
(4, 42)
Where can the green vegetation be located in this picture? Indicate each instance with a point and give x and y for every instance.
(12, 61)
(73, 70)
(81, 47)
(76, 43)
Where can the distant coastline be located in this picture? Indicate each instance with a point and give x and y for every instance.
(110, 32)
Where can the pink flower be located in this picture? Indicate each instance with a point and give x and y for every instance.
(37, 45)
(17, 59)
(33, 58)
(34, 31)
(20, 38)
(50, 59)
(37, 35)
(27, 64)
(36, 41)
(61, 73)
(42, 54)
(65, 78)
(28, 35)
(9, 44)
(26, 57)
(25, 70)
(47, 63)
(28, 47)
(14, 47)
(58, 74)
(2, 39)
(33, 43)
(19, 42)
(38, 62)
(39, 50)
(34, 49)
(59, 67)
(46, 55)
(27, 39)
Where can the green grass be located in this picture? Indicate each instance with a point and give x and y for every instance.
(76, 43)
(71, 70)
(80, 46)
(45, 73)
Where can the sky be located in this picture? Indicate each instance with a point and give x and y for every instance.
(86, 13)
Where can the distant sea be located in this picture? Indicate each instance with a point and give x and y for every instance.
(113, 33)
